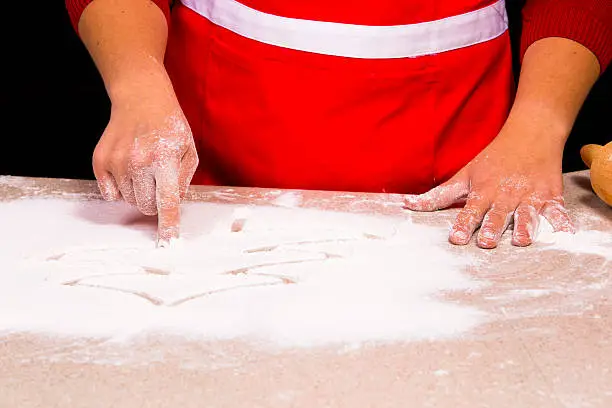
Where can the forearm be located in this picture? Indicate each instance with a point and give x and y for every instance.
(127, 41)
(556, 76)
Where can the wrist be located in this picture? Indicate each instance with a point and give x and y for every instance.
(138, 82)
(535, 125)
(538, 141)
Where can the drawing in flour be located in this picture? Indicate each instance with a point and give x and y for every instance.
(288, 275)
(252, 270)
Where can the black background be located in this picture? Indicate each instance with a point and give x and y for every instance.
(54, 106)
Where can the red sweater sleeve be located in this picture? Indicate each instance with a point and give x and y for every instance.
(588, 22)
(76, 7)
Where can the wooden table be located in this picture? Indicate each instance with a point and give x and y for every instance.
(550, 344)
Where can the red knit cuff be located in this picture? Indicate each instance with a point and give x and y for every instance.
(76, 7)
(588, 22)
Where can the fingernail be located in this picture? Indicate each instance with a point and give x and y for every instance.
(107, 190)
(413, 202)
(410, 199)
(487, 239)
(167, 236)
(522, 241)
(460, 235)
(488, 234)
(166, 243)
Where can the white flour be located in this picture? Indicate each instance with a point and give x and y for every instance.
(290, 276)
(583, 241)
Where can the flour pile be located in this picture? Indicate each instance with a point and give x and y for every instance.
(290, 276)
(582, 242)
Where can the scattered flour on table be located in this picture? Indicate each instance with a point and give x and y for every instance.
(290, 199)
(583, 241)
(290, 276)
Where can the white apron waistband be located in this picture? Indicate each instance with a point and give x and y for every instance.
(357, 41)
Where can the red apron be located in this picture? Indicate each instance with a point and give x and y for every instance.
(384, 96)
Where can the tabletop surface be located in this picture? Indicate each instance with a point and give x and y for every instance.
(546, 341)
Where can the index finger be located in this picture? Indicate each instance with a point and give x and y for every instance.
(168, 201)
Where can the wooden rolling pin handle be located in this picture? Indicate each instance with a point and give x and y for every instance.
(599, 160)
(589, 153)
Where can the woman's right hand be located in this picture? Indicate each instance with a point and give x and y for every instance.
(147, 155)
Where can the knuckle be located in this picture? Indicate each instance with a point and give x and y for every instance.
(138, 157)
(117, 158)
(535, 200)
(136, 169)
(490, 220)
(167, 150)
(525, 211)
(556, 208)
(471, 212)
(474, 196)
(196, 161)
(185, 140)
(497, 212)
(558, 200)
(99, 157)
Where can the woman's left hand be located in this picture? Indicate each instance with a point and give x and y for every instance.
(515, 179)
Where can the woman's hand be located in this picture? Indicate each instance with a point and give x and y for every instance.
(519, 175)
(515, 179)
(147, 154)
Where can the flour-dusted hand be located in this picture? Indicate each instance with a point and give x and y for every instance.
(147, 156)
(507, 182)
(519, 175)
